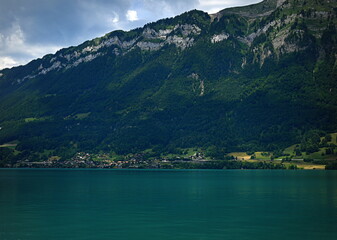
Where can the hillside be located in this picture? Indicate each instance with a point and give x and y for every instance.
(254, 78)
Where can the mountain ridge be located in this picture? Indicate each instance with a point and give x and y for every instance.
(122, 32)
(234, 81)
(267, 6)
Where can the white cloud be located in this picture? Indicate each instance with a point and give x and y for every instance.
(7, 62)
(14, 50)
(131, 15)
(213, 6)
(115, 19)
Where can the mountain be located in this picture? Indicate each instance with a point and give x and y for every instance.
(259, 77)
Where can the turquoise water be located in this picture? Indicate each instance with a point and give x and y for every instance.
(157, 204)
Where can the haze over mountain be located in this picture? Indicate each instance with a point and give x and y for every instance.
(259, 77)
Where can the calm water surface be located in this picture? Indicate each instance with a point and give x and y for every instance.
(157, 204)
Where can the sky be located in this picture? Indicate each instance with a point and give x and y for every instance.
(30, 29)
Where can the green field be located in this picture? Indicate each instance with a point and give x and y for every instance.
(11, 145)
(319, 155)
(315, 160)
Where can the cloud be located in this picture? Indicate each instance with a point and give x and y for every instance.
(15, 50)
(6, 62)
(115, 19)
(33, 28)
(213, 6)
(131, 15)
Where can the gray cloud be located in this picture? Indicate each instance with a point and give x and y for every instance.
(33, 28)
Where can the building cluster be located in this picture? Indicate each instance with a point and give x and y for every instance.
(103, 160)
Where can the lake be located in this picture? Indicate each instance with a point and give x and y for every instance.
(167, 204)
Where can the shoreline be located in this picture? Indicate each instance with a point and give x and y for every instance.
(215, 164)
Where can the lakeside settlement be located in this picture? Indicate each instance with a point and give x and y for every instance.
(140, 161)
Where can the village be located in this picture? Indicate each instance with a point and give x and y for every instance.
(88, 160)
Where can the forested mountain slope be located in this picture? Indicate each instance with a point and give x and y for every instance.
(259, 77)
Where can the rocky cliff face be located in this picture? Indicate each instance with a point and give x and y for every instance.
(182, 36)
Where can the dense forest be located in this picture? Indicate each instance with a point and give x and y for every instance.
(255, 78)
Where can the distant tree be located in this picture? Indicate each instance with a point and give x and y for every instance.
(215, 153)
(328, 137)
(278, 153)
(329, 151)
(292, 166)
(310, 142)
(331, 166)
(298, 151)
(6, 156)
